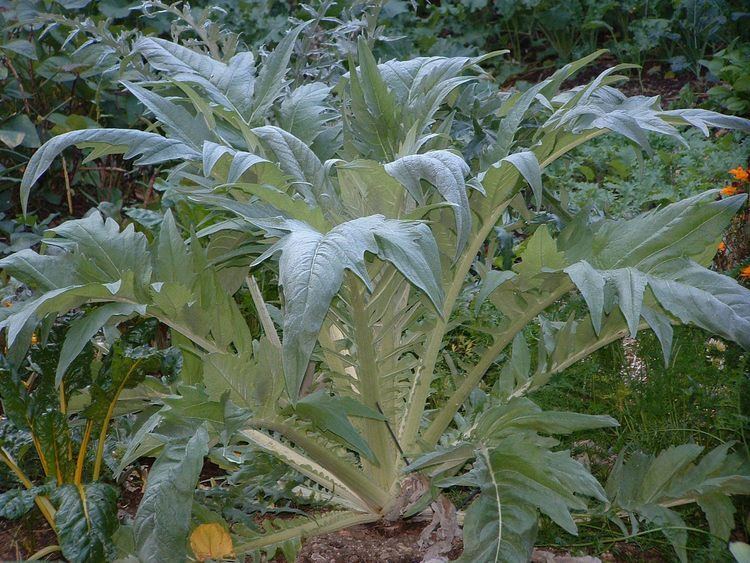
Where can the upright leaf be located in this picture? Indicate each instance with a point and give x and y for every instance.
(162, 522)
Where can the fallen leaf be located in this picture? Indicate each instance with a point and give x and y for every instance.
(211, 541)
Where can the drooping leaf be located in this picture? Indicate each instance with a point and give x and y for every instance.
(311, 271)
(528, 166)
(444, 170)
(591, 285)
(150, 148)
(631, 285)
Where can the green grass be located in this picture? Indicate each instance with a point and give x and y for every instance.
(703, 396)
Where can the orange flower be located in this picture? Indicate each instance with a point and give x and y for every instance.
(740, 174)
(34, 339)
(745, 273)
(722, 246)
(726, 191)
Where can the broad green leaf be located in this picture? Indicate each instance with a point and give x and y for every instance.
(109, 253)
(192, 130)
(490, 282)
(647, 485)
(540, 254)
(162, 523)
(15, 503)
(229, 372)
(366, 188)
(39, 271)
(496, 530)
(719, 511)
(311, 271)
(85, 520)
(240, 163)
(299, 162)
(373, 127)
(683, 229)
(703, 297)
(591, 285)
(631, 285)
(171, 260)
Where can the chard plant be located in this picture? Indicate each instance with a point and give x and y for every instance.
(377, 204)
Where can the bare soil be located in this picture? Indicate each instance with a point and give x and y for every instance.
(370, 543)
(20, 539)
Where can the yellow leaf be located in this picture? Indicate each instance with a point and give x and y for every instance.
(211, 541)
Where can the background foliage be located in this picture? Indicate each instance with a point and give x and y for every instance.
(60, 71)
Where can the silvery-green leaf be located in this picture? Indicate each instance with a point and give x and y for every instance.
(190, 129)
(705, 298)
(304, 113)
(39, 271)
(109, 252)
(311, 271)
(631, 285)
(490, 282)
(591, 285)
(231, 84)
(297, 160)
(528, 166)
(151, 148)
(444, 170)
(270, 81)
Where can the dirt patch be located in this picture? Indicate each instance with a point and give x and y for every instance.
(20, 539)
(372, 543)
